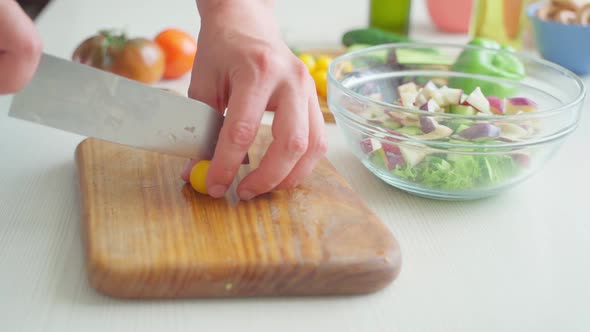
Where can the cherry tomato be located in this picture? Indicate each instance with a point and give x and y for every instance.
(198, 176)
(180, 49)
(323, 62)
(139, 59)
(321, 82)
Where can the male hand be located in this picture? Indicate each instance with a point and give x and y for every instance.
(243, 65)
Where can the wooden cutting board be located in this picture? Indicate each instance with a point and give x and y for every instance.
(149, 235)
(328, 115)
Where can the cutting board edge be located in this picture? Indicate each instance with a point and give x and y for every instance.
(113, 283)
(81, 182)
(376, 274)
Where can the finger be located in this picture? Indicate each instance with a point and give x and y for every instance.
(291, 135)
(316, 149)
(20, 48)
(245, 110)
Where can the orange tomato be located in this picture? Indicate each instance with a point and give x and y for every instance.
(180, 49)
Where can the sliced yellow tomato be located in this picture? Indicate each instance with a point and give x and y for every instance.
(199, 175)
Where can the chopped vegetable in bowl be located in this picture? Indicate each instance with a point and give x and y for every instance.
(448, 169)
(449, 131)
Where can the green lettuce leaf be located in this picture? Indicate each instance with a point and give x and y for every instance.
(459, 172)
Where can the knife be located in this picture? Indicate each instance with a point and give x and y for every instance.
(92, 102)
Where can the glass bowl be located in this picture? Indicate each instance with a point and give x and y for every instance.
(453, 122)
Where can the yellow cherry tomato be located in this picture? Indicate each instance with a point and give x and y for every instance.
(199, 175)
(321, 82)
(308, 60)
(322, 63)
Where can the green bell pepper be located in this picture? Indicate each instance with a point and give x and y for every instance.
(488, 63)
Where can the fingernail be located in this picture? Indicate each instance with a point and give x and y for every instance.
(217, 191)
(246, 195)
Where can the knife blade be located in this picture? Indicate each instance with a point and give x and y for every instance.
(91, 102)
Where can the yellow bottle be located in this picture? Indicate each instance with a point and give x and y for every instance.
(501, 20)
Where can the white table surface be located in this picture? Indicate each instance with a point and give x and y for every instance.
(515, 262)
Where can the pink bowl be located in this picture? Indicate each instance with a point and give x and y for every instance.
(450, 15)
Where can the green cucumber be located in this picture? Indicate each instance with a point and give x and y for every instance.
(462, 109)
(369, 59)
(377, 158)
(356, 47)
(410, 130)
(455, 123)
(372, 36)
(421, 56)
(391, 124)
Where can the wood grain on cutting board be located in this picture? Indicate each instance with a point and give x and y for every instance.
(147, 234)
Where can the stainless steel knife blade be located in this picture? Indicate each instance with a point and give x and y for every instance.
(91, 102)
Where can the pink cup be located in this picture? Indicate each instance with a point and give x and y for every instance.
(450, 15)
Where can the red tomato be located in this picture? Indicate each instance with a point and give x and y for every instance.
(180, 49)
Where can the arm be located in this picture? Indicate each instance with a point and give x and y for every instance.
(20, 47)
(244, 65)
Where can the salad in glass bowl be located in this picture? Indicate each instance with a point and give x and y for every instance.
(452, 121)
